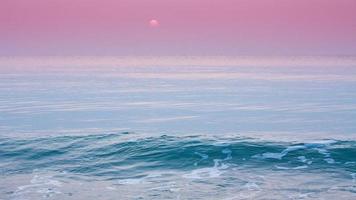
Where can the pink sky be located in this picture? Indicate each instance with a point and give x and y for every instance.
(187, 27)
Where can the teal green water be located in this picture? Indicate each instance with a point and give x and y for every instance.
(179, 132)
(175, 167)
(108, 157)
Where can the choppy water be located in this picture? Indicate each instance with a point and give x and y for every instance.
(186, 130)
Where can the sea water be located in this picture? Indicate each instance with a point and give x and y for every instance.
(178, 128)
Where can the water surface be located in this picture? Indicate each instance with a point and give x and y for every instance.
(178, 128)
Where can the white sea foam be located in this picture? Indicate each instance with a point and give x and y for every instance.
(286, 168)
(350, 163)
(41, 183)
(228, 153)
(279, 156)
(353, 176)
(130, 181)
(203, 157)
(319, 143)
(208, 172)
(251, 186)
(110, 188)
(303, 159)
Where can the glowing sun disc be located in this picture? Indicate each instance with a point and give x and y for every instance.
(153, 23)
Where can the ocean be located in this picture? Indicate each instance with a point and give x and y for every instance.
(178, 128)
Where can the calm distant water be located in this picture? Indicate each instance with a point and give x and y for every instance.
(224, 130)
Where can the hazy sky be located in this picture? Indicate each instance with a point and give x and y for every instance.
(186, 27)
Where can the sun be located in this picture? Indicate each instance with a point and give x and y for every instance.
(153, 23)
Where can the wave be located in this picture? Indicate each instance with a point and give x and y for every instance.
(111, 156)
